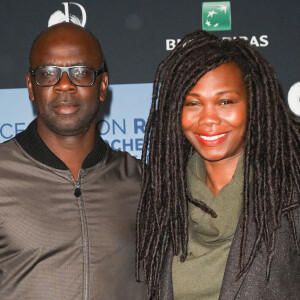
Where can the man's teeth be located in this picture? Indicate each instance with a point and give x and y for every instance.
(212, 138)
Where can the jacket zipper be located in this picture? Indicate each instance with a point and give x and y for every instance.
(85, 240)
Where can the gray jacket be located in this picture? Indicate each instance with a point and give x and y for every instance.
(61, 239)
(284, 283)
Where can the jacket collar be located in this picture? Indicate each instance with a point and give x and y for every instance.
(32, 143)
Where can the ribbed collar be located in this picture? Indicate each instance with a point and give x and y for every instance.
(32, 143)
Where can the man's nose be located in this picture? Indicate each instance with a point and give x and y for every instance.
(65, 84)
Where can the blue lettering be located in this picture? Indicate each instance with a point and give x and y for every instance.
(130, 145)
(17, 129)
(139, 124)
(113, 144)
(103, 124)
(2, 131)
(139, 144)
(115, 124)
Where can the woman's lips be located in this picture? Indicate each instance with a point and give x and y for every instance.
(211, 140)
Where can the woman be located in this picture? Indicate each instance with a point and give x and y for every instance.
(219, 216)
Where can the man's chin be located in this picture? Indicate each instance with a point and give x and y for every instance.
(66, 131)
(68, 128)
(66, 125)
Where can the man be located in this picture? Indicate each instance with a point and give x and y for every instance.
(67, 200)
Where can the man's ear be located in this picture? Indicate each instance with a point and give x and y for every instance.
(103, 86)
(29, 83)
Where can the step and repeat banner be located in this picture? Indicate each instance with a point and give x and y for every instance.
(135, 36)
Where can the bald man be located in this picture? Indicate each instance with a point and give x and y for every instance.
(67, 200)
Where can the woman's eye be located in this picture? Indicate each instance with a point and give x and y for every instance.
(191, 103)
(226, 102)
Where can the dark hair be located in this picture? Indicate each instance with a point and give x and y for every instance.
(273, 159)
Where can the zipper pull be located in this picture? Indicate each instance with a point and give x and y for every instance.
(77, 191)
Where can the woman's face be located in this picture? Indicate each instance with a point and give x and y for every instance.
(214, 113)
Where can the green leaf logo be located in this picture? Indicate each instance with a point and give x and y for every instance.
(216, 16)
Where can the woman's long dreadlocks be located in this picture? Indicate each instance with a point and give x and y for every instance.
(272, 143)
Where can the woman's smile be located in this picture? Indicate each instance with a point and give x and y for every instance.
(211, 140)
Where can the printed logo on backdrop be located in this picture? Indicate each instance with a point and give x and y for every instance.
(216, 16)
(294, 98)
(66, 16)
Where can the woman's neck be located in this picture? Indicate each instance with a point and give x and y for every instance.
(219, 173)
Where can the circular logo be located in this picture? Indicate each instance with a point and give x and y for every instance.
(294, 98)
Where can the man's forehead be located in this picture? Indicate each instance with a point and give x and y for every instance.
(66, 34)
(65, 39)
